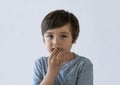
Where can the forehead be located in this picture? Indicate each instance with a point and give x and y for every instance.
(62, 30)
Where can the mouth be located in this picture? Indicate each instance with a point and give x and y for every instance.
(57, 48)
(64, 52)
(52, 49)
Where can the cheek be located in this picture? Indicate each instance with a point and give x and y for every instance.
(48, 46)
(67, 47)
(67, 44)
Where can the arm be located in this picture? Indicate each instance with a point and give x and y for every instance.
(54, 64)
(40, 77)
(37, 72)
(48, 80)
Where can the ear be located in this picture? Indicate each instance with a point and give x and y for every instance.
(74, 42)
(43, 40)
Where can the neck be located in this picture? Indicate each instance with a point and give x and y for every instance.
(69, 57)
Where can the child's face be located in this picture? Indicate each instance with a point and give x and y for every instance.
(58, 38)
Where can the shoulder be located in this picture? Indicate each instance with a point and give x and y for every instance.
(41, 61)
(84, 61)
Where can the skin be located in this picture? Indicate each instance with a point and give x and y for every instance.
(58, 42)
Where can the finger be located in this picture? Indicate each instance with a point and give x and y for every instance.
(54, 54)
(60, 57)
(60, 54)
(54, 50)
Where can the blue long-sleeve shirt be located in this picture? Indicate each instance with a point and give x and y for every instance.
(78, 71)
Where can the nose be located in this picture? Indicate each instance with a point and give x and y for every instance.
(57, 43)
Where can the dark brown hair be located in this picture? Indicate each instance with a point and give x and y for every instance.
(59, 18)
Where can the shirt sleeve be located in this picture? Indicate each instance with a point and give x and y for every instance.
(37, 73)
(85, 76)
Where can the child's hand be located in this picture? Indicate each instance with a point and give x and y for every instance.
(55, 62)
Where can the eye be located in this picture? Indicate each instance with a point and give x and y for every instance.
(50, 37)
(63, 36)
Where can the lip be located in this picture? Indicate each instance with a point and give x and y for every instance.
(52, 49)
(57, 48)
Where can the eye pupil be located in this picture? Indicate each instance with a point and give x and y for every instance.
(50, 36)
(63, 36)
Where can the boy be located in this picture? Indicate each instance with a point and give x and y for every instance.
(60, 30)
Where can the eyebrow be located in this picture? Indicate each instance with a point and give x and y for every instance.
(64, 33)
(49, 32)
(60, 33)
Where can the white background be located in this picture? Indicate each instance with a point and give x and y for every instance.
(21, 41)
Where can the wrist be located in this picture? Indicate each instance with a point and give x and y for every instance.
(51, 75)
